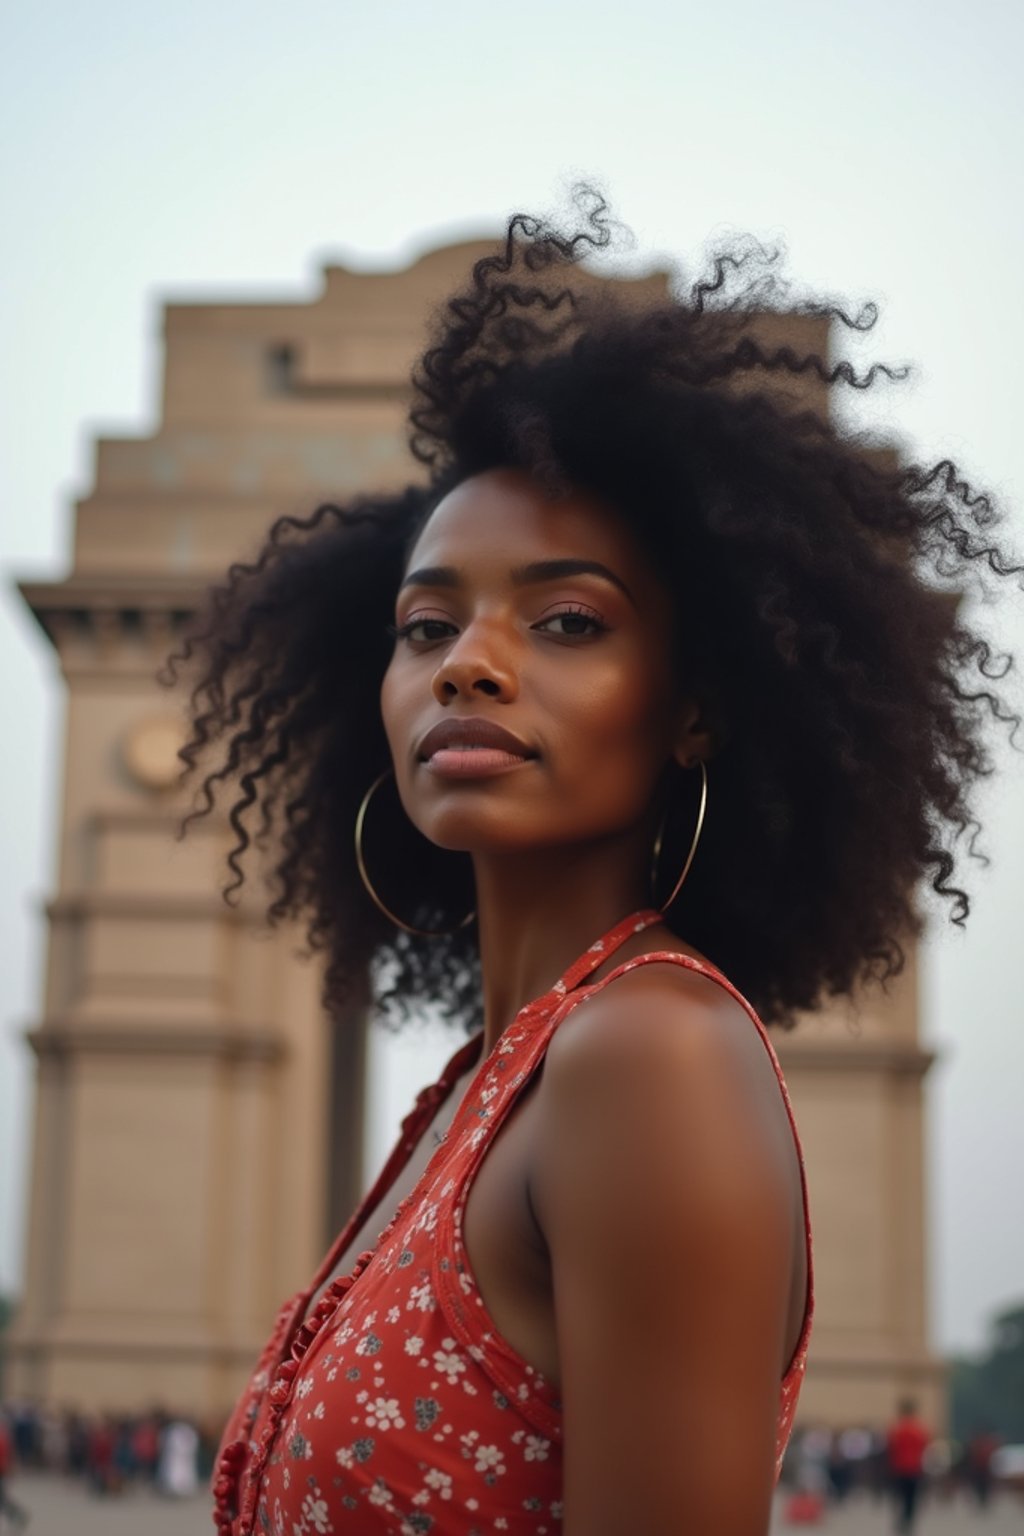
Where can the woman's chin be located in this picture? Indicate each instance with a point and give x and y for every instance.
(483, 831)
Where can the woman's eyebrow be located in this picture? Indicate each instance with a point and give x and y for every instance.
(522, 575)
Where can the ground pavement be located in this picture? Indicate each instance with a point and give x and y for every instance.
(65, 1509)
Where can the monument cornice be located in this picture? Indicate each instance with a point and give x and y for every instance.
(899, 1057)
(114, 1343)
(868, 1364)
(155, 907)
(103, 605)
(114, 630)
(60, 1037)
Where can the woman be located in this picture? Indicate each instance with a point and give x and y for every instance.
(628, 733)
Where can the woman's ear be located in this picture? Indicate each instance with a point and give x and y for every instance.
(697, 735)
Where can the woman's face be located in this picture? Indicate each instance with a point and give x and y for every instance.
(575, 663)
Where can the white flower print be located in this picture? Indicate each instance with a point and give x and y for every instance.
(421, 1297)
(304, 1387)
(314, 1509)
(380, 1493)
(440, 1481)
(393, 1314)
(448, 1362)
(384, 1412)
(344, 1457)
(488, 1459)
(536, 1448)
(413, 1344)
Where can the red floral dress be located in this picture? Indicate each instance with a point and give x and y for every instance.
(396, 1406)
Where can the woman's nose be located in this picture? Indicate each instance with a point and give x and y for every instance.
(476, 664)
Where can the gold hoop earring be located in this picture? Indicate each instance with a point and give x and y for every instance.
(693, 846)
(423, 933)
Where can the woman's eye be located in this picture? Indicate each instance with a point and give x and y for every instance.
(407, 631)
(578, 622)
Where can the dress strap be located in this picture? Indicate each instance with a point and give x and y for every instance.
(600, 950)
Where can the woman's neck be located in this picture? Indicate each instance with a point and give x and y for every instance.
(538, 912)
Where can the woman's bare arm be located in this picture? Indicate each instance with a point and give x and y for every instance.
(663, 1181)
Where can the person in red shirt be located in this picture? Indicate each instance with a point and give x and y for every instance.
(8, 1509)
(907, 1441)
(146, 1447)
(101, 1456)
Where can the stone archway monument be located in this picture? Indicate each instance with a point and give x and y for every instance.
(199, 1124)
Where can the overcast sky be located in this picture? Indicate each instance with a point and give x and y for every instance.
(216, 150)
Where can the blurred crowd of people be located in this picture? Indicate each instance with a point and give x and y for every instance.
(168, 1453)
(173, 1455)
(899, 1464)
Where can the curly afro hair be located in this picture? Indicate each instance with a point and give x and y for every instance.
(819, 615)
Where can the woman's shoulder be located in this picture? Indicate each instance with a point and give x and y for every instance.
(664, 1055)
(661, 1011)
(658, 1113)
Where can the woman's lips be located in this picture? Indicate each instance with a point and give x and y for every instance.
(472, 747)
(473, 762)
